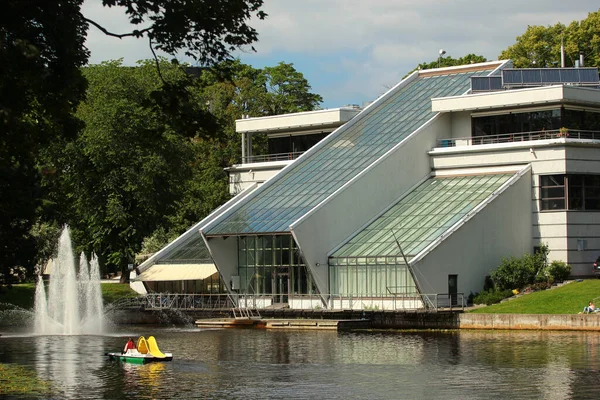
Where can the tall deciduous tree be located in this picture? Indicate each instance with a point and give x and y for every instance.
(41, 51)
(128, 168)
(540, 46)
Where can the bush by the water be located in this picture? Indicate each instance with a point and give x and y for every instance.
(491, 296)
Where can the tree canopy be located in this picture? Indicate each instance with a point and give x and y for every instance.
(449, 61)
(41, 52)
(540, 46)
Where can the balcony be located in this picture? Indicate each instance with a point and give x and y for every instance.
(577, 134)
(272, 157)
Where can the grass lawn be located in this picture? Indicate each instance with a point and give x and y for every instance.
(567, 299)
(23, 294)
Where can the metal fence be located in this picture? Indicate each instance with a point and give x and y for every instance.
(272, 157)
(332, 302)
(520, 137)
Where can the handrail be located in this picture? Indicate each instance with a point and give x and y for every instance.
(272, 157)
(253, 302)
(520, 137)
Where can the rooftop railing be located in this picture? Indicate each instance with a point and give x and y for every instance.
(520, 137)
(272, 157)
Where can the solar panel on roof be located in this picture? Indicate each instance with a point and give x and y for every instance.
(588, 75)
(486, 83)
(511, 77)
(550, 75)
(531, 76)
(569, 75)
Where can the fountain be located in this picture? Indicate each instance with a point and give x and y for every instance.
(74, 302)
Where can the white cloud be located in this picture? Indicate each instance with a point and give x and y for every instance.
(353, 49)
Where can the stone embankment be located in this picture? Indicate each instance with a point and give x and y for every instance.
(392, 320)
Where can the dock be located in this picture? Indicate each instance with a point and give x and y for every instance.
(287, 324)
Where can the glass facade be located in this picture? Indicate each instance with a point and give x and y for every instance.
(341, 156)
(371, 263)
(272, 264)
(211, 285)
(535, 121)
(575, 192)
(193, 249)
(370, 277)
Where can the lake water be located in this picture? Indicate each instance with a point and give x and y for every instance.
(260, 364)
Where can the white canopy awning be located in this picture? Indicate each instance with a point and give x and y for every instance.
(177, 272)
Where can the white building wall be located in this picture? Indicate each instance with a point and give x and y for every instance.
(500, 229)
(583, 227)
(350, 208)
(224, 252)
(573, 236)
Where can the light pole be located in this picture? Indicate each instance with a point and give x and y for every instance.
(442, 52)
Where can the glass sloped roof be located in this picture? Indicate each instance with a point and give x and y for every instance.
(346, 153)
(422, 216)
(192, 249)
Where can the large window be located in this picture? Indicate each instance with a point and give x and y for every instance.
(517, 122)
(294, 144)
(370, 277)
(535, 121)
(570, 192)
(272, 264)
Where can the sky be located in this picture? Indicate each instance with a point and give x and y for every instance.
(353, 51)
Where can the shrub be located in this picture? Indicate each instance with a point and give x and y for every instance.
(516, 273)
(558, 271)
(491, 296)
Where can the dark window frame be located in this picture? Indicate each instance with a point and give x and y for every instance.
(580, 192)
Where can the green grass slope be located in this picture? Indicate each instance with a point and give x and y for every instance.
(567, 299)
(23, 295)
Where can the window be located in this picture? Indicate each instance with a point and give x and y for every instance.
(570, 192)
(552, 192)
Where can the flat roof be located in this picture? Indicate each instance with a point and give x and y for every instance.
(518, 97)
(308, 120)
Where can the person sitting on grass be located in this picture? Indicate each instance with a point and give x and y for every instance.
(590, 308)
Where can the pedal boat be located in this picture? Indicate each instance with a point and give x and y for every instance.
(147, 351)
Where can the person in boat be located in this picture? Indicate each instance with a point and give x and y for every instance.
(130, 345)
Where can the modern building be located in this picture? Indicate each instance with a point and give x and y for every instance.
(188, 268)
(288, 137)
(416, 199)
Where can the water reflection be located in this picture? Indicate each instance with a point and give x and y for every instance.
(250, 364)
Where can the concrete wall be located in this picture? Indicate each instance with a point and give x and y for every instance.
(560, 230)
(224, 252)
(244, 176)
(501, 229)
(571, 322)
(583, 226)
(349, 209)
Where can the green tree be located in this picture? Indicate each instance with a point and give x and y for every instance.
(233, 90)
(128, 168)
(41, 51)
(449, 62)
(286, 91)
(540, 46)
